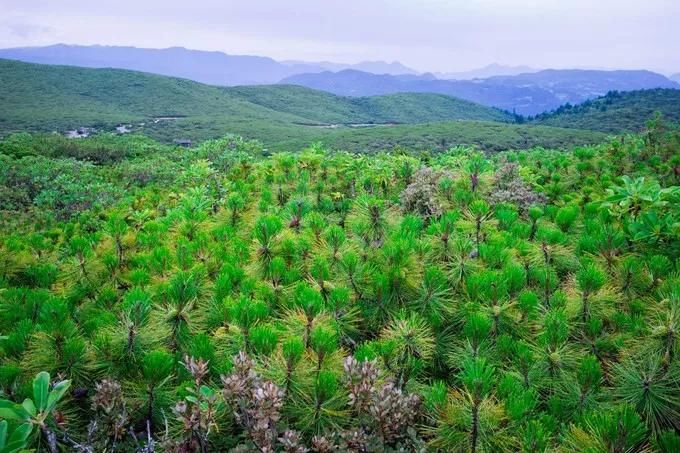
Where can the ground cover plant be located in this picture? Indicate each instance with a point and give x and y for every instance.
(156, 298)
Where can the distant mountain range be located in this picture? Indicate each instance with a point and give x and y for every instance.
(218, 68)
(526, 94)
(375, 67)
(215, 68)
(491, 70)
(675, 77)
(521, 89)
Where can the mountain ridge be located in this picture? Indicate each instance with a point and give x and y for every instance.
(211, 67)
(526, 94)
(372, 66)
(490, 70)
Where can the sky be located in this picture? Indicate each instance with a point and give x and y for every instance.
(428, 35)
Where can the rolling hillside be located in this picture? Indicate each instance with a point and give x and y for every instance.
(616, 111)
(46, 97)
(57, 98)
(527, 94)
(101, 96)
(525, 100)
(396, 108)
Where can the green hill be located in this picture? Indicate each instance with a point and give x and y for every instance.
(617, 111)
(48, 98)
(395, 108)
(38, 94)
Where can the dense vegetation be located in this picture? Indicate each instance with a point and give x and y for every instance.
(154, 298)
(617, 111)
(488, 136)
(282, 117)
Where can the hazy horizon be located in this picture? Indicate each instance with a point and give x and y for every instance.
(297, 61)
(433, 35)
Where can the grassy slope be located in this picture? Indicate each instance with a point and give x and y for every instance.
(618, 112)
(395, 108)
(47, 98)
(58, 97)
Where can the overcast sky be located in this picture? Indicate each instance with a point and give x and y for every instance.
(429, 35)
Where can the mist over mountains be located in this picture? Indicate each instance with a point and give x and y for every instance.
(375, 67)
(215, 68)
(520, 89)
(491, 70)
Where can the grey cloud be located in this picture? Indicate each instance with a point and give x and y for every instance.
(427, 34)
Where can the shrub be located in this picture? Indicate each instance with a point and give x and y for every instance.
(509, 187)
(420, 197)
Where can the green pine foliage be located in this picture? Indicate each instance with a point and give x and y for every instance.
(220, 298)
